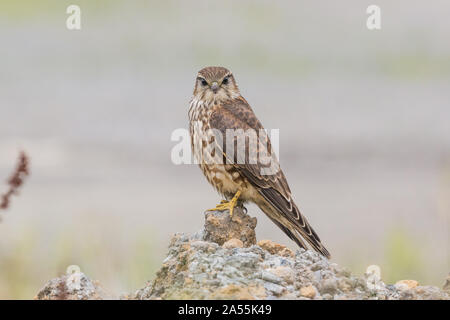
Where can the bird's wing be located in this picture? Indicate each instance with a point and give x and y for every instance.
(273, 187)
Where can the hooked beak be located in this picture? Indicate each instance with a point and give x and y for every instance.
(214, 87)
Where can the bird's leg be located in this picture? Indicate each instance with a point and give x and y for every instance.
(227, 205)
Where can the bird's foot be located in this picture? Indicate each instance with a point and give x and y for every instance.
(227, 205)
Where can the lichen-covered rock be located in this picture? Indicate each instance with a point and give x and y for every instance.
(233, 243)
(223, 261)
(275, 248)
(214, 265)
(221, 227)
(406, 284)
(196, 269)
(308, 292)
(75, 286)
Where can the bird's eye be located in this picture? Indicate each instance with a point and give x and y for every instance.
(204, 83)
(225, 80)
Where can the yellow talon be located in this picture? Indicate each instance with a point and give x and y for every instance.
(227, 205)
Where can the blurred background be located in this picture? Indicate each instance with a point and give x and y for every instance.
(364, 119)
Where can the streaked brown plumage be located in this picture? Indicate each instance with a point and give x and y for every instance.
(217, 104)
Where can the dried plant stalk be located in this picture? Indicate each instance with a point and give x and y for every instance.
(16, 180)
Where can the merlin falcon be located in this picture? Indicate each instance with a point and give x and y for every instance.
(216, 109)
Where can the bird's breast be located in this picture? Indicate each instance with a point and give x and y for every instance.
(224, 177)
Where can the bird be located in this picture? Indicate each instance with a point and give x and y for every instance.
(218, 108)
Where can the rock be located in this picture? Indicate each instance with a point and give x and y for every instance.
(286, 252)
(274, 289)
(446, 286)
(308, 292)
(223, 261)
(422, 293)
(204, 270)
(327, 296)
(75, 286)
(275, 248)
(328, 286)
(233, 243)
(270, 277)
(226, 264)
(220, 227)
(284, 273)
(406, 284)
(345, 285)
(219, 267)
(236, 292)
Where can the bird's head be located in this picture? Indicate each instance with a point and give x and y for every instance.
(215, 84)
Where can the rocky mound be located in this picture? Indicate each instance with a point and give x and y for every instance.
(223, 261)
